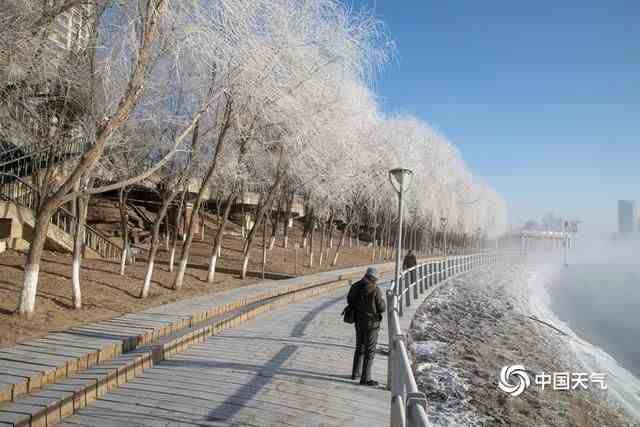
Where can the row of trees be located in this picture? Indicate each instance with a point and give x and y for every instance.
(220, 95)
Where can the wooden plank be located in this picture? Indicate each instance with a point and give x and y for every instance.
(261, 373)
(276, 374)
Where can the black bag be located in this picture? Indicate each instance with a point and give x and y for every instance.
(349, 315)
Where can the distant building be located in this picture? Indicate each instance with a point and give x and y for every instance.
(70, 32)
(626, 217)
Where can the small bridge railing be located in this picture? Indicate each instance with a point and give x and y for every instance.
(408, 404)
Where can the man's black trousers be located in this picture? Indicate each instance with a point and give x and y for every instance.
(366, 343)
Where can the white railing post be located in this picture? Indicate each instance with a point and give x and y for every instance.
(391, 307)
(414, 416)
(399, 300)
(398, 416)
(407, 287)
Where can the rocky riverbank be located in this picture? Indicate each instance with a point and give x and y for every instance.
(473, 326)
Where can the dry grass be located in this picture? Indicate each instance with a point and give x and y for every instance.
(106, 294)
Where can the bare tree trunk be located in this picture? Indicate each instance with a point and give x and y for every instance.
(340, 242)
(374, 235)
(186, 248)
(174, 235)
(27, 303)
(155, 242)
(172, 253)
(202, 232)
(390, 241)
(384, 240)
(183, 217)
(322, 242)
(124, 227)
(243, 217)
(311, 244)
(218, 205)
(286, 221)
(78, 246)
(332, 217)
(217, 245)
(308, 227)
(264, 247)
(259, 218)
(276, 222)
(264, 207)
(104, 130)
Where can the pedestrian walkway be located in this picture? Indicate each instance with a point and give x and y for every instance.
(288, 367)
(27, 367)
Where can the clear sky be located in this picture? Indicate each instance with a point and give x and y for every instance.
(542, 98)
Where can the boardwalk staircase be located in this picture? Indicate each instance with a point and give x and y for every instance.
(18, 202)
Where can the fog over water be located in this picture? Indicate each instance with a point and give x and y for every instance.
(600, 303)
(598, 297)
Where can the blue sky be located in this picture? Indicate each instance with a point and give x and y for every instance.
(542, 98)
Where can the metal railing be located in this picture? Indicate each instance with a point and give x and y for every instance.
(24, 161)
(408, 404)
(20, 194)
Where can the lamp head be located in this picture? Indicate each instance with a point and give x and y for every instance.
(400, 179)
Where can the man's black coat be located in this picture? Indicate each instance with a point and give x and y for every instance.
(367, 300)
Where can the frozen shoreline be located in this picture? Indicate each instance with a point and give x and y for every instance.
(624, 387)
(472, 327)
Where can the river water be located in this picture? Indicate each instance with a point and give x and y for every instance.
(596, 298)
(601, 304)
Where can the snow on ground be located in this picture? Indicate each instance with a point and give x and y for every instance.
(470, 328)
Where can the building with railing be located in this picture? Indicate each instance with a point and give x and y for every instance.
(70, 32)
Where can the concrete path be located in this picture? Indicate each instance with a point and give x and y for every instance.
(287, 367)
(27, 367)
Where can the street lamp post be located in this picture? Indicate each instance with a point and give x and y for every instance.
(400, 179)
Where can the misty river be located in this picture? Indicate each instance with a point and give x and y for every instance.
(600, 302)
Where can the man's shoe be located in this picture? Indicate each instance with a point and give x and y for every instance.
(371, 383)
(355, 376)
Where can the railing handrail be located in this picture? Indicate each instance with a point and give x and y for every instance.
(92, 229)
(408, 403)
(64, 220)
(29, 151)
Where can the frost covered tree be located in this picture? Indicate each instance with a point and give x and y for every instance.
(93, 88)
(274, 95)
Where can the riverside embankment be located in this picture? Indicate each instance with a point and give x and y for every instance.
(466, 331)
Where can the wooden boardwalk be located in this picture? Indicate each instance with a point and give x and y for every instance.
(27, 367)
(288, 367)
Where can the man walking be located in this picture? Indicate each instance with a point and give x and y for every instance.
(367, 300)
(409, 262)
